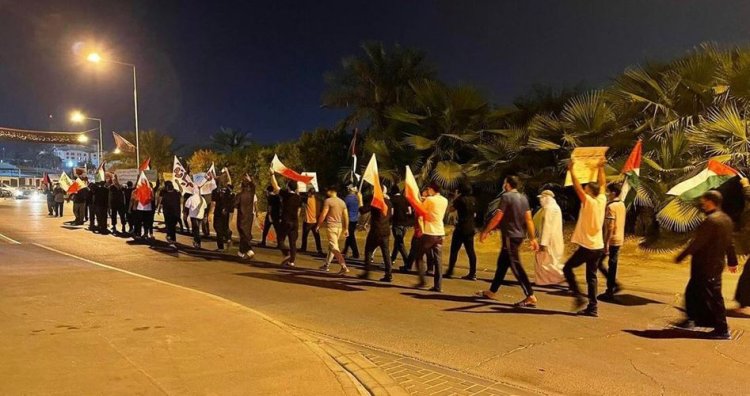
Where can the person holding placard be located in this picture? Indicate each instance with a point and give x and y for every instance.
(589, 237)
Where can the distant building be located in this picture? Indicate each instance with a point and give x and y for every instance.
(72, 155)
(13, 176)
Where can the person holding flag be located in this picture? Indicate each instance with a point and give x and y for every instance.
(59, 194)
(80, 198)
(291, 202)
(142, 207)
(381, 212)
(196, 210)
(245, 204)
(433, 210)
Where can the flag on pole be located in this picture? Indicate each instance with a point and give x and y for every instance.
(99, 177)
(209, 184)
(353, 153)
(181, 178)
(712, 177)
(412, 194)
(122, 144)
(143, 190)
(225, 171)
(46, 180)
(279, 168)
(65, 181)
(76, 186)
(146, 165)
(632, 172)
(372, 176)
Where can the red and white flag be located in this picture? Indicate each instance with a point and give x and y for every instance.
(143, 191)
(279, 168)
(146, 165)
(181, 178)
(412, 193)
(372, 176)
(209, 184)
(122, 144)
(76, 186)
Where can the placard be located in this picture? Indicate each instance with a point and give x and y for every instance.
(131, 175)
(586, 164)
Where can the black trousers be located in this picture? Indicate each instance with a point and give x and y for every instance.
(50, 206)
(101, 219)
(351, 241)
(399, 232)
(147, 217)
(118, 211)
(137, 222)
(287, 238)
(79, 211)
(170, 221)
(509, 258)
(196, 225)
(467, 240)
(704, 303)
(92, 217)
(432, 246)
(374, 242)
(306, 229)
(414, 253)
(59, 209)
(221, 226)
(267, 224)
(610, 272)
(742, 295)
(591, 259)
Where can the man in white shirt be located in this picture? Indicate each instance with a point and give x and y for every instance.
(614, 236)
(588, 236)
(433, 232)
(196, 206)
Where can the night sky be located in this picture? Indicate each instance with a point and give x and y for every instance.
(259, 65)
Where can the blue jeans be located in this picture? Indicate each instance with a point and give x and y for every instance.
(611, 271)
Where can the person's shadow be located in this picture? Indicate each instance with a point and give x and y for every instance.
(481, 305)
(669, 333)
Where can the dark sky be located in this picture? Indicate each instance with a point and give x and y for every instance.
(259, 65)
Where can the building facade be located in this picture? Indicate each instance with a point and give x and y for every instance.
(72, 155)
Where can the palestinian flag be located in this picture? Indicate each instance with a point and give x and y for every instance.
(279, 168)
(710, 178)
(46, 181)
(632, 172)
(372, 176)
(99, 177)
(412, 194)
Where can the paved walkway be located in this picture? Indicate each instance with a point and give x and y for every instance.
(73, 327)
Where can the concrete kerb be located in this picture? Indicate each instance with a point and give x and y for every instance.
(357, 375)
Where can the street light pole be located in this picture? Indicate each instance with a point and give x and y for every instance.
(77, 116)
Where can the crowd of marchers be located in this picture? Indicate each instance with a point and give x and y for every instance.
(598, 235)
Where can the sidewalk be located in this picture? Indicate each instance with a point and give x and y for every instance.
(71, 327)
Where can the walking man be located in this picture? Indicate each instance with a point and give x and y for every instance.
(80, 198)
(588, 235)
(117, 204)
(378, 237)
(742, 295)
(311, 206)
(169, 204)
(245, 204)
(60, 200)
(336, 217)
(704, 303)
(128, 192)
(273, 214)
(614, 236)
(402, 214)
(224, 203)
(353, 202)
(196, 206)
(431, 243)
(513, 215)
(466, 207)
(291, 202)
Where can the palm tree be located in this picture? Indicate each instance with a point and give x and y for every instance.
(368, 85)
(229, 140)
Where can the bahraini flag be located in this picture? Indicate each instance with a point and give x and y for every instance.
(372, 176)
(146, 165)
(143, 191)
(76, 186)
(710, 178)
(279, 168)
(632, 172)
(412, 194)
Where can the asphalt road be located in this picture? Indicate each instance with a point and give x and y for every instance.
(626, 351)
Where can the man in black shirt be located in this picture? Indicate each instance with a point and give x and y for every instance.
(291, 201)
(101, 206)
(223, 198)
(80, 198)
(378, 237)
(402, 220)
(169, 204)
(128, 192)
(465, 206)
(117, 204)
(273, 214)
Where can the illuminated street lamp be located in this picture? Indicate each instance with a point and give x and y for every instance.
(96, 58)
(79, 117)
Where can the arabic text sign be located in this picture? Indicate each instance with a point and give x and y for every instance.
(586, 163)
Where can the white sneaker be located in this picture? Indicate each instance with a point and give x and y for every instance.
(290, 264)
(242, 255)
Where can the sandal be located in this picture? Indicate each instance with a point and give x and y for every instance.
(526, 303)
(485, 294)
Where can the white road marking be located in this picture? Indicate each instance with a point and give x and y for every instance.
(9, 239)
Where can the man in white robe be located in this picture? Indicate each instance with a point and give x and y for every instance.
(552, 245)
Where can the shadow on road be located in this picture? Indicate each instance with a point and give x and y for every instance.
(303, 278)
(478, 303)
(630, 300)
(667, 334)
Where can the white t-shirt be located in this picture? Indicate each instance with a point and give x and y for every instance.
(435, 207)
(588, 232)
